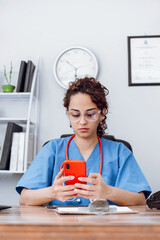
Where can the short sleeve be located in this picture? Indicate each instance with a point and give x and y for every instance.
(39, 174)
(130, 177)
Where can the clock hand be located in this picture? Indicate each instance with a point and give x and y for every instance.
(70, 64)
(76, 69)
(75, 75)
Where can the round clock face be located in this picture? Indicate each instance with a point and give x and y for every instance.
(75, 62)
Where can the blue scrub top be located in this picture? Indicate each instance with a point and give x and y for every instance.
(120, 168)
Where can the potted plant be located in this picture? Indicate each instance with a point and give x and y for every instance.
(8, 87)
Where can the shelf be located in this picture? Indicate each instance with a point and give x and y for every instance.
(16, 120)
(16, 96)
(20, 100)
(11, 172)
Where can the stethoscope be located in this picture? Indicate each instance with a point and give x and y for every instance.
(101, 162)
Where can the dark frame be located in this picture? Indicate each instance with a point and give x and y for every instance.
(130, 76)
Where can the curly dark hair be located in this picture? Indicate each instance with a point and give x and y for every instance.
(97, 93)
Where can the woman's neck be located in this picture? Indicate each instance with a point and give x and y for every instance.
(86, 145)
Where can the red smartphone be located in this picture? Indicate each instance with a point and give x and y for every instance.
(76, 168)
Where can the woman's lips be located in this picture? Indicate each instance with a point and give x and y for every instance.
(83, 129)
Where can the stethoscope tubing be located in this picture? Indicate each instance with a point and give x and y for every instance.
(101, 152)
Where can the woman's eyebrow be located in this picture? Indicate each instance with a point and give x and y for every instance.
(90, 109)
(72, 109)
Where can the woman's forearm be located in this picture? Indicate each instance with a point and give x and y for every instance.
(116, 195)
(123, 197)
(35, 197)
(98, 189)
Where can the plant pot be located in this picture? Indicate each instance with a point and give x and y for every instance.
(8, 88)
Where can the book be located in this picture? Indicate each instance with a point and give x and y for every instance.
(29, 76)
(30, 149)
(6, 152)
(21, 149)
(14, 152)
(21, 77)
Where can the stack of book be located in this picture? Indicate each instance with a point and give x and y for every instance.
(18, 150)
(25, 76)
(14, 148)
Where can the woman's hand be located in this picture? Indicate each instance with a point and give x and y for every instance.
(44, 195)
(98, 190)
(59, 191)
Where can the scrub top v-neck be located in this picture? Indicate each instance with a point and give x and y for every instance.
(93, 159)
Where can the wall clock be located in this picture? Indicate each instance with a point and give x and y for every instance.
(75, 62)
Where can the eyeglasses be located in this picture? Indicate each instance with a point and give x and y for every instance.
(89, 116)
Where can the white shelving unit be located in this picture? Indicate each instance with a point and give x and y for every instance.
(30, 97)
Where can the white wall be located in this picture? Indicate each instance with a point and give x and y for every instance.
(45, 28)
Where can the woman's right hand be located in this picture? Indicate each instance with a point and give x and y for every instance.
(59, 191)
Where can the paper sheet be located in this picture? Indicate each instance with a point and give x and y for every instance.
(84, 210)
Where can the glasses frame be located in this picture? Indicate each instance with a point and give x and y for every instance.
(81, 115)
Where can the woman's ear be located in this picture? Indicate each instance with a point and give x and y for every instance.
(104, 111)
(103, 114)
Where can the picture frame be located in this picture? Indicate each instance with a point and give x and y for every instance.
(144, 60)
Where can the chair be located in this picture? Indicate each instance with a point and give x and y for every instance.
(109, 137)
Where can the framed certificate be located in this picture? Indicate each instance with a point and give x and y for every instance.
(144, 60)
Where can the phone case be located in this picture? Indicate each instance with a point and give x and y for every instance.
(75, 168)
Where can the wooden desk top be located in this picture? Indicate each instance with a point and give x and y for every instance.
(24, 222)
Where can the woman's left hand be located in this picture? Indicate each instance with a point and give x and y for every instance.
(98, 190)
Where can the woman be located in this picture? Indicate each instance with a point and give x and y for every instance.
(120, 181)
